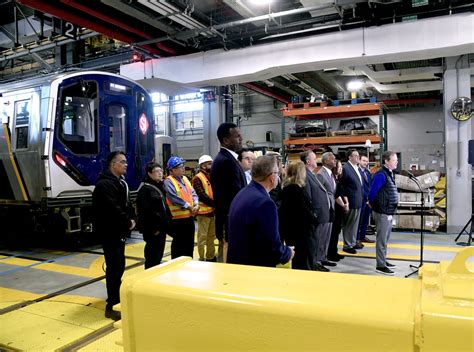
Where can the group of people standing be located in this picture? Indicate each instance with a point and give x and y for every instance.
(316, 206)
(258, 216)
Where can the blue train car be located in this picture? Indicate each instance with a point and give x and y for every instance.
(56, 133)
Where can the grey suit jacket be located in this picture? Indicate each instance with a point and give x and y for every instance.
(322, 198)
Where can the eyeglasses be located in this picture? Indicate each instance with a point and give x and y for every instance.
(123, 162)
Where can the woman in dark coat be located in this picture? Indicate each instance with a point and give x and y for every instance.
(333, 255)
(297, 220)
(154, 217)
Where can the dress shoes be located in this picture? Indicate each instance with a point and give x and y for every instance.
(319, 267)
(334, 259)
(367, 240)
(350, 250)
(328, 263)
(358, 245)
(113, 314)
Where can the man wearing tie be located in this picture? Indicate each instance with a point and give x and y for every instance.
(351, 192)
(325, 208)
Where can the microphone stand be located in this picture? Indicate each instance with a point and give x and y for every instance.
(422, 235)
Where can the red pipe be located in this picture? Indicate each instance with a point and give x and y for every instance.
(68, 16)
(269, 93)
(88, 10)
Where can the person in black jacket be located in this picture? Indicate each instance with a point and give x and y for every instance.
(297, 220)
(154, 217)
(113, 222)
(227, 179)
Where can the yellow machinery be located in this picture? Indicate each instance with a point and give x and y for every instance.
(193, 305)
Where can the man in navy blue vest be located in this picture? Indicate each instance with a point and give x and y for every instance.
(383, 199)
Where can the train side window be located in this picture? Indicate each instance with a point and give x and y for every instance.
(117, 114)
(78, 117)
(22, 121)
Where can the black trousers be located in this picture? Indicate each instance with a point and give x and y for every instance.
(114, 254)
(183, 237)
(336, 230)
(154, 249)
(305, 251)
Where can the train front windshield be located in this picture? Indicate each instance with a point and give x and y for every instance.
(78, 117)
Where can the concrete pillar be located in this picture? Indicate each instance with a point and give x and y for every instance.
(457, 135)
(213, 116)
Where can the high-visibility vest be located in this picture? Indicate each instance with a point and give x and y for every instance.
(186, 195)
(203, 208)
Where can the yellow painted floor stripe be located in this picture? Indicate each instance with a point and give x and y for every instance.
(47, 326)
(10, 297)
(94, 270)
(414, 246)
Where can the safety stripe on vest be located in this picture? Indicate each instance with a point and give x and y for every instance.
(203, 208)
(187, 196)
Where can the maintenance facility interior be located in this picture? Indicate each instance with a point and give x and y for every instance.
(294, 75)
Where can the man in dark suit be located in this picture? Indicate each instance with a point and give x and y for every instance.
(227, 179)
(313, 192)
(365, 211)
(351, 190)
(254, 238)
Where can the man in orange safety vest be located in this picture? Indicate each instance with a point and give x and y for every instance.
(205, 216)
(183, 203)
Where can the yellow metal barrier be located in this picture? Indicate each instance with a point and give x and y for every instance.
(193, 305)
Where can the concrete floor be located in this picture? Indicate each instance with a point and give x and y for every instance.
(54, 300)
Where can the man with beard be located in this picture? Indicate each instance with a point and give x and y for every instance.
(205, 215)
(227, 179)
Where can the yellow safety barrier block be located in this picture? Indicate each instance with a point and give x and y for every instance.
(213, 306)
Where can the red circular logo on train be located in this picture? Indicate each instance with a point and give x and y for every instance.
(143, 123)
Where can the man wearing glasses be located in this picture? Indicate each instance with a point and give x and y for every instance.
(183, 203)
(113, 222)
(254, 238)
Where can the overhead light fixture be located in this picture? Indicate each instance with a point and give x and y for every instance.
(260, 2)
(315, 28)
(354, 85)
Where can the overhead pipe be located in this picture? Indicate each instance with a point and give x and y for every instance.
(80, 21)
(194, 32)
(142, 16)
(259, 89)
(43, 47)
(104, 17)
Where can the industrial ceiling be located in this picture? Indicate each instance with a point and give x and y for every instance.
(43, 36)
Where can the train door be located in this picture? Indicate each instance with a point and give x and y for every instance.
(124, 124)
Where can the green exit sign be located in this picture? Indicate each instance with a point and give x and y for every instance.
(417, 3)
(409, 18)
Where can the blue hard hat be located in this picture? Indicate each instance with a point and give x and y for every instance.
(174, 161)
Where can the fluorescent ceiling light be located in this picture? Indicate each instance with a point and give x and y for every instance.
(301, 31)
(355, 85)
